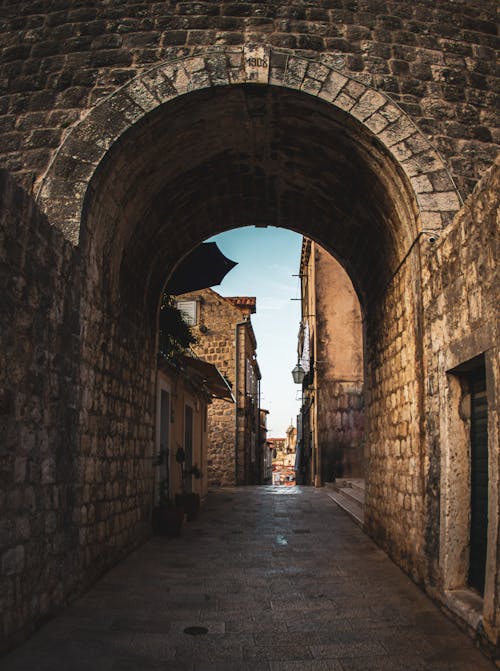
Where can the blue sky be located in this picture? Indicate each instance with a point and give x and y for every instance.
(267, 260)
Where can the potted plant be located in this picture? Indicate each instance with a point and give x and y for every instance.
(189, 501)
(167, 519)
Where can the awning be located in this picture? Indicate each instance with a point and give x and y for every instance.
(206, 266)
(212, 378)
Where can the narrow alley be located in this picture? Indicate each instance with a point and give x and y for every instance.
(267, 579)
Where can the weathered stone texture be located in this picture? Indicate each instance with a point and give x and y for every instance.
(39, 396)
(461, 295)
(338, 345)
(218, 346)
(341, 429)
(77, 425)
(226, 340)
(394, 490)
(436, 61)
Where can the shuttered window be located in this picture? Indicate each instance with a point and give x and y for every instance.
(188, 310)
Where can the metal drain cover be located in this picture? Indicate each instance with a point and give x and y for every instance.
(196, 631)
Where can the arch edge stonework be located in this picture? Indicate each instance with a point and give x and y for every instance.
(64, 186)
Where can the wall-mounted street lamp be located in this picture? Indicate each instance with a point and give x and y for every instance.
(298, 373)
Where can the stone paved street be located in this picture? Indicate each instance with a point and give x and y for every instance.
(281, 579)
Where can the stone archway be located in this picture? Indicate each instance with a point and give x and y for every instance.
(232, 137)
(228, 138)
(124, 230)
(64, 187)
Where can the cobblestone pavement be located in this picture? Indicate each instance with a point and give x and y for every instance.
(281, 579)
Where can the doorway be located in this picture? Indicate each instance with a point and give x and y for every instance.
(479, 478)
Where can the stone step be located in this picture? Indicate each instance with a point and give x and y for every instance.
(358, 483)
(354, 483)
(349, 505)
(350, 496)
(353, 493)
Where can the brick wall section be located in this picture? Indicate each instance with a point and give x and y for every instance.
(436, 60)
(39, 398)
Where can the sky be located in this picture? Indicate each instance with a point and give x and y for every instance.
(267, 260)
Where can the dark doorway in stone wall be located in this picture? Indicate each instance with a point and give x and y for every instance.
(465, 496)
(479, 477)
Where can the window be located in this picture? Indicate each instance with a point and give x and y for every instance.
(251, 379)
(189, 311)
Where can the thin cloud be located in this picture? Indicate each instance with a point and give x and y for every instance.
(272, 303)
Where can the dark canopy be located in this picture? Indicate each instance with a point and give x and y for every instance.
(204, 267)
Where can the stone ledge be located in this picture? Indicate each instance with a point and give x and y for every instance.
(466, 604)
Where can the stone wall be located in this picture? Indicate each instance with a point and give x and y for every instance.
(218, 346)
(76, 472)
(418, 486)
(339, 369)
(341, 429)
(39, 400)
(225, 338)
(395, 458)
(436, 60)
(461, 295)
(247, 470)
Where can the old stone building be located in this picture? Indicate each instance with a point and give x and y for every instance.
(184, 393)
(266, 475)
(284, 457)
(225, 338)
(132, 131)
(331, 352)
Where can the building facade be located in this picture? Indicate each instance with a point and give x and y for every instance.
(331, 354)
(225, 338)
(284, 455)
(266, 452)
(185, 390)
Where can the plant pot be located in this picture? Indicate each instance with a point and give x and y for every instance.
(167, 521)
(190, 503)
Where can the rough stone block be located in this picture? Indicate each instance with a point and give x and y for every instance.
(421, 183)
(368, 104)
(13, 561)
(332, 85)
(444, 202)
(141, 95)
(376, 122)
(295, 72)
(160, 86)
(397, 132)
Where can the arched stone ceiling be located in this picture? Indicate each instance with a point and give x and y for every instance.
(240, 138)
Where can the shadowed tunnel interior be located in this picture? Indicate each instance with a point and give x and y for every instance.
(238, 156)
